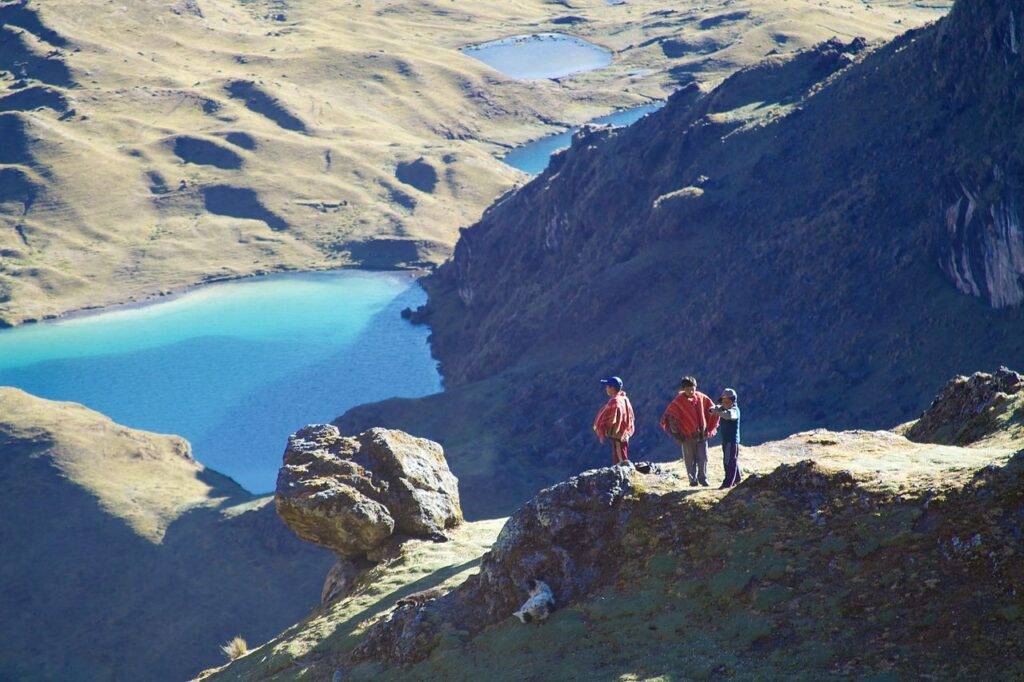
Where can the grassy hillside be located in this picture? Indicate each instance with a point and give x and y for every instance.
(852, 554)
(311, 646)
(125, 559)
(145, 146)
(833, 235)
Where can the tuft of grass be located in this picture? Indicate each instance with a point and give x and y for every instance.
(236, 648)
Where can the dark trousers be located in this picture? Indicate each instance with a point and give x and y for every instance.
(731, 462)
(620, 451)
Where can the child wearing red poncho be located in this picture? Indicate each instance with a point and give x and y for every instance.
(615, 421)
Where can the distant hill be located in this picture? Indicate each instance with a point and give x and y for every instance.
(145, 146)
(122, 558)
(831, 234)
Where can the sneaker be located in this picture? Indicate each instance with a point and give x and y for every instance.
(693, 484)
(705, 484)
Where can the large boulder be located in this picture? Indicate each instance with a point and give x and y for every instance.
(570, 535)
(965, 409)
(352, 494)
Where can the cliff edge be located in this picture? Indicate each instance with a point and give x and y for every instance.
(857, 553)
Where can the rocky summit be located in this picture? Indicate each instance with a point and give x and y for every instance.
(353, 494)
(856, 554)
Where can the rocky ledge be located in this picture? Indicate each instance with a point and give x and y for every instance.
(967, 408)
(568, 536)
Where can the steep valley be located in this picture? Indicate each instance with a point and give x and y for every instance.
(825, 215)
(831, 234)
(147, 146)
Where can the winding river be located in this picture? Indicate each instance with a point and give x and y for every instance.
(533, 157)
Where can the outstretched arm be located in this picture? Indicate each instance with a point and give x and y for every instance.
(711, 416)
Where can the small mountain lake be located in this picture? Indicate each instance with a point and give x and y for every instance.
(541, 55)
(533, 157)
(234, 367)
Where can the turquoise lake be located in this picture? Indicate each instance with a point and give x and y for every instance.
(234, 367)
(533, 157)
(541, 55)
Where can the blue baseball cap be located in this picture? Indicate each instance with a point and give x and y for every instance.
(614, 382)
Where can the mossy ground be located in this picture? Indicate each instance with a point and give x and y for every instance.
(309, 648)
(881, 559)
(750, 585)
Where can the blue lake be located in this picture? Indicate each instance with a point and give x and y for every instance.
(533, 157)
(234, 367)
(541, 55)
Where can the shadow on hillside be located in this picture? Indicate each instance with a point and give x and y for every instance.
(347, 627)
(68, 564)
(17, 57)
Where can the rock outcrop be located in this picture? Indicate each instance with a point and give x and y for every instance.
(570, 536)
(964, 410)
(905, 554)
(352, 494)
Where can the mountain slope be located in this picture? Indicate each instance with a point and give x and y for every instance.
(858, 554)
(123, 558)
(831, 235)
(151, 145)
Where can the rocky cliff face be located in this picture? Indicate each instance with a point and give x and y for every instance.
(983, 254)
(832, 235)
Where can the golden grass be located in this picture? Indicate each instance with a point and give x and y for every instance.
(374, 85)
(236, 648)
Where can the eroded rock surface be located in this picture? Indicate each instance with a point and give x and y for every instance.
(351, 494)
(568, 536)
(958, 413)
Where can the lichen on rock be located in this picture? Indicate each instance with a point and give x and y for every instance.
(352, 494)
(962, 412)
(568, 536)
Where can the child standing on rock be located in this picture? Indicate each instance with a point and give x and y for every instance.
(729, 426)
(615, 420)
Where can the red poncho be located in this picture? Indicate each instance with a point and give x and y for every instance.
(615, 420)
(687, 417)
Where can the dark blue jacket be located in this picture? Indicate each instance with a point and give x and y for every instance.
(729, 426)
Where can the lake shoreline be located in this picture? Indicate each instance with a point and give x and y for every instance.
(234, 369)
(564, 128)
(209, 280)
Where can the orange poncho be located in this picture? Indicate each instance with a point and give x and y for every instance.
(615, 420)
(687, 417)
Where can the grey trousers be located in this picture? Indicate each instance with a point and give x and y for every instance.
(695, 456)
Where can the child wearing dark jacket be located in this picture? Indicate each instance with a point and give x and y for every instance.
(729, 426)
